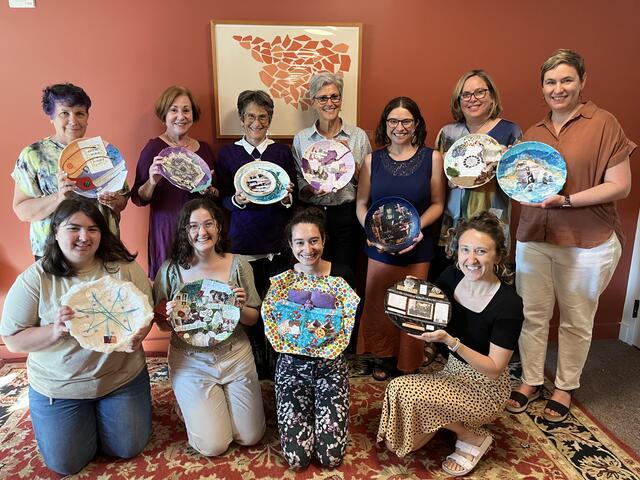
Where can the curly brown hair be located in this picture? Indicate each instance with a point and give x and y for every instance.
(181, 252)
(488, 224)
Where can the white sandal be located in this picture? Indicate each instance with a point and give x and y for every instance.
(466, 464)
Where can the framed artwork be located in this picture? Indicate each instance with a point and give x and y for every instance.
(280, 58)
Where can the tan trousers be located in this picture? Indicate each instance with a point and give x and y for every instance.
(575, 278)
(219, 395)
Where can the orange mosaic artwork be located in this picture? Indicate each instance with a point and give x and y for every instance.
(289, 63)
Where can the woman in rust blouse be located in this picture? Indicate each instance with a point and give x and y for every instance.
(569, 245)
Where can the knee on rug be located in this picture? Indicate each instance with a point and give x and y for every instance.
(212, 448)
(72, 462)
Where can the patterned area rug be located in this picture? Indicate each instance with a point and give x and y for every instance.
(526, 445)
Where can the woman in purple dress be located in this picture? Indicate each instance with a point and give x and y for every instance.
(178, 110)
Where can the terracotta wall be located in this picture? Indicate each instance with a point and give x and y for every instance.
(125, 53)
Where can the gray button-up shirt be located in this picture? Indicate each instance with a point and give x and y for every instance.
(357, 141)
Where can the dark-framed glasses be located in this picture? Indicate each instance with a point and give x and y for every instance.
(405, 122)
(478, 93)
(322, 100)
(250, 117)
(194, 227)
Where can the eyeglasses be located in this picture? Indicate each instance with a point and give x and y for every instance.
(479, 94)
(406, 122)
(195, 227)
(250, 118)
(335, 98)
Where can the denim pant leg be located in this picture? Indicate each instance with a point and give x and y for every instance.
(331, 411)
(294, 405)
(65, 431)
(124, 418)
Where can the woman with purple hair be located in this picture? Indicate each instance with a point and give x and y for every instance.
(40, 186)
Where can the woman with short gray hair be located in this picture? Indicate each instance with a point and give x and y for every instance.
(343, 232)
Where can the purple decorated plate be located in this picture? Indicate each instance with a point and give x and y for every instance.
(328, 165)
(185, 169)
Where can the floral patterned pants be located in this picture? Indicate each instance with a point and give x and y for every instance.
(312, 399)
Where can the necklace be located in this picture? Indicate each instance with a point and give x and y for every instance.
(173, 143)
(480, 127)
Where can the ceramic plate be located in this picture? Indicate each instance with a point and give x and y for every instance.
(262, 182)
(184, 169)
(93, 166)
(531, 172)
(107, 312)
(392, 223)
(417, 306)
(309, 315)
(471, 161)
(205, 313)
(328, 165)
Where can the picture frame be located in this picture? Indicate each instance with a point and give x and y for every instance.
(279, 58)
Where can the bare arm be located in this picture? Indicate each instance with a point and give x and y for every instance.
(434, 212)
(364, 190)
(616, 186)
(491, 365)
(33, 339)
(32, 209)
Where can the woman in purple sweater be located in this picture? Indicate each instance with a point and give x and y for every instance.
(178, 110)
(256, 231)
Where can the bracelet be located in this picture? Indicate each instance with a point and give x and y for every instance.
(456, 345)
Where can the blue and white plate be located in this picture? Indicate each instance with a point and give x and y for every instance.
(392, 223)
(531, 172)
(262, 182)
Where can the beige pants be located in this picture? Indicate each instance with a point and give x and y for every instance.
(575, 278)
(219, 395)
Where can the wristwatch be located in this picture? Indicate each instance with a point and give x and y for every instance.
(456, 345)
(567, 201)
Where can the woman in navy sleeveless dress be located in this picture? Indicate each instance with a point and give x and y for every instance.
(403, 168)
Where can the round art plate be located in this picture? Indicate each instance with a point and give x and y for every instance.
(471, 161)
(205, 313)
(531, 172)
(392, 223)
(417, 306)
(328, 165)
(107, 312)
(262, 182)
(93, 166)
(184, 169)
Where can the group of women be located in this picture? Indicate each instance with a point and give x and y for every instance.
(566, 251)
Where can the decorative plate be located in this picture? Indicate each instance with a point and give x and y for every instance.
(93, 166)
(309, 315)
(107, 312)
(185, 169)
(205, 313)
(471, 161)
(531, 172)
(262, 182)
(328, 164)
(392, 223)
(417, 306)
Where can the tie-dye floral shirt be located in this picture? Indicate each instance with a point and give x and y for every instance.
(36, 175)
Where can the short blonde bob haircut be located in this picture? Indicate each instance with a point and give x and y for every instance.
(456, 109)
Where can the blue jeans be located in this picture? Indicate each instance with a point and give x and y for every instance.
(69, 432)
